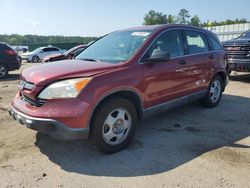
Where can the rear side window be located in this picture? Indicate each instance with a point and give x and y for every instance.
(196, 42)
(170, 42)
(215, 45)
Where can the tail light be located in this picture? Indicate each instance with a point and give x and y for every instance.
(10, 52)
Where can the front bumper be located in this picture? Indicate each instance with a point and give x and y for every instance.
(26, 58)
(240, 65)
(51, 127)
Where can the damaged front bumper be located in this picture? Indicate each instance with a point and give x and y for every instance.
(51, 127)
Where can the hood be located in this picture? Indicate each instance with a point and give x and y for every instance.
(237, 42)
(53, 56)
(43, 74)
(27, 53)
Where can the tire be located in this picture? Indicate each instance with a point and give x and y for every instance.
(114, 124)
(19, 60)
(214, 93)
(3, 71)
(35, 59)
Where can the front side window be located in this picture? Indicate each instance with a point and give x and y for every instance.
(169, 42)
(115, 47)
(46, 50)
(196, 42)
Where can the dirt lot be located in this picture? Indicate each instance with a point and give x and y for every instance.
(189, 146)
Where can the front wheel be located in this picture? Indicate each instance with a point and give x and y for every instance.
(114, 125)
(3, 71)
(35, 59)
(214, 93)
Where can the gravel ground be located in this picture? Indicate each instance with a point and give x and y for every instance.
(189, 146)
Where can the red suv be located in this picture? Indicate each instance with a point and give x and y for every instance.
(121, 78)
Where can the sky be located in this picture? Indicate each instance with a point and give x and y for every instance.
(98, 17)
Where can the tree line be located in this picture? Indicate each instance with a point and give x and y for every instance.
(184, 17)
(151, 18)
(16, 39)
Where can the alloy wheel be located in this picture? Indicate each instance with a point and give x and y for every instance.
(116, 126)
(3, 71)
(215, 91)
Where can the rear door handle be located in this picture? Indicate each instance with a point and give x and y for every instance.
(182, 62)
(211, 56)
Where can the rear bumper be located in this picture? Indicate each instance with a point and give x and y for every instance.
(239, 65)
(51, 127)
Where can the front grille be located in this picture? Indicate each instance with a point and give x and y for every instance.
(36, 102)
(238, 52)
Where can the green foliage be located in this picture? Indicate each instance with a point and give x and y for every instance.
(16, 39)
(226, 22)
(152, 18)
(195, 21)
(171, 19)
(183, 16)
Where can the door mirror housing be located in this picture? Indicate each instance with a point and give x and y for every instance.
(157, 57)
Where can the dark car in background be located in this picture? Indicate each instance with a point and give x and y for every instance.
(238, 53)
(69, 54)
(9, 59)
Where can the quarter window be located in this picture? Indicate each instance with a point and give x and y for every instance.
(196, 42)
(169, 42)
(215, 44)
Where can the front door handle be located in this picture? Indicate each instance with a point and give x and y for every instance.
(182, 62)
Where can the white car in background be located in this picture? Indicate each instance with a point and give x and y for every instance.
(39, 53)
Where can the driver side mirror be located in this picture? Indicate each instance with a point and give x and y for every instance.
(157, 57)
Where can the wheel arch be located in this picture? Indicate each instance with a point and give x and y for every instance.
(223, 76)
(129, 94)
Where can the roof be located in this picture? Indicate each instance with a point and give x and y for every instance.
(161, 26)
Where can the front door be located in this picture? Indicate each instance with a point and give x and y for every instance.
(166, 80)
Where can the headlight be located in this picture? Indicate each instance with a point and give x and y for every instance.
(64, 89)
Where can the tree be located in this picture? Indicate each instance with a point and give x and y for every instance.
(152, 18)
(182, 16)
(170, 19)
(195, 21)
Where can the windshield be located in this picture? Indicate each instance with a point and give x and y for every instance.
(37, 50)
(115, 47)
(245, 35)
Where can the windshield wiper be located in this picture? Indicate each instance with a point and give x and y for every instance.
(89, 59)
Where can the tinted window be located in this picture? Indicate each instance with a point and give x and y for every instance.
(215, 44)
(196, 42)
(169, 42)
(54, 49)
(46, 50)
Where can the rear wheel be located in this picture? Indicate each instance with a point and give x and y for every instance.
(35, 59)
(214, 93)
(114, 125)
(3, 71)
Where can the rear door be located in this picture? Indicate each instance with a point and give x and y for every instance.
(199, 58)
(166, 80)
